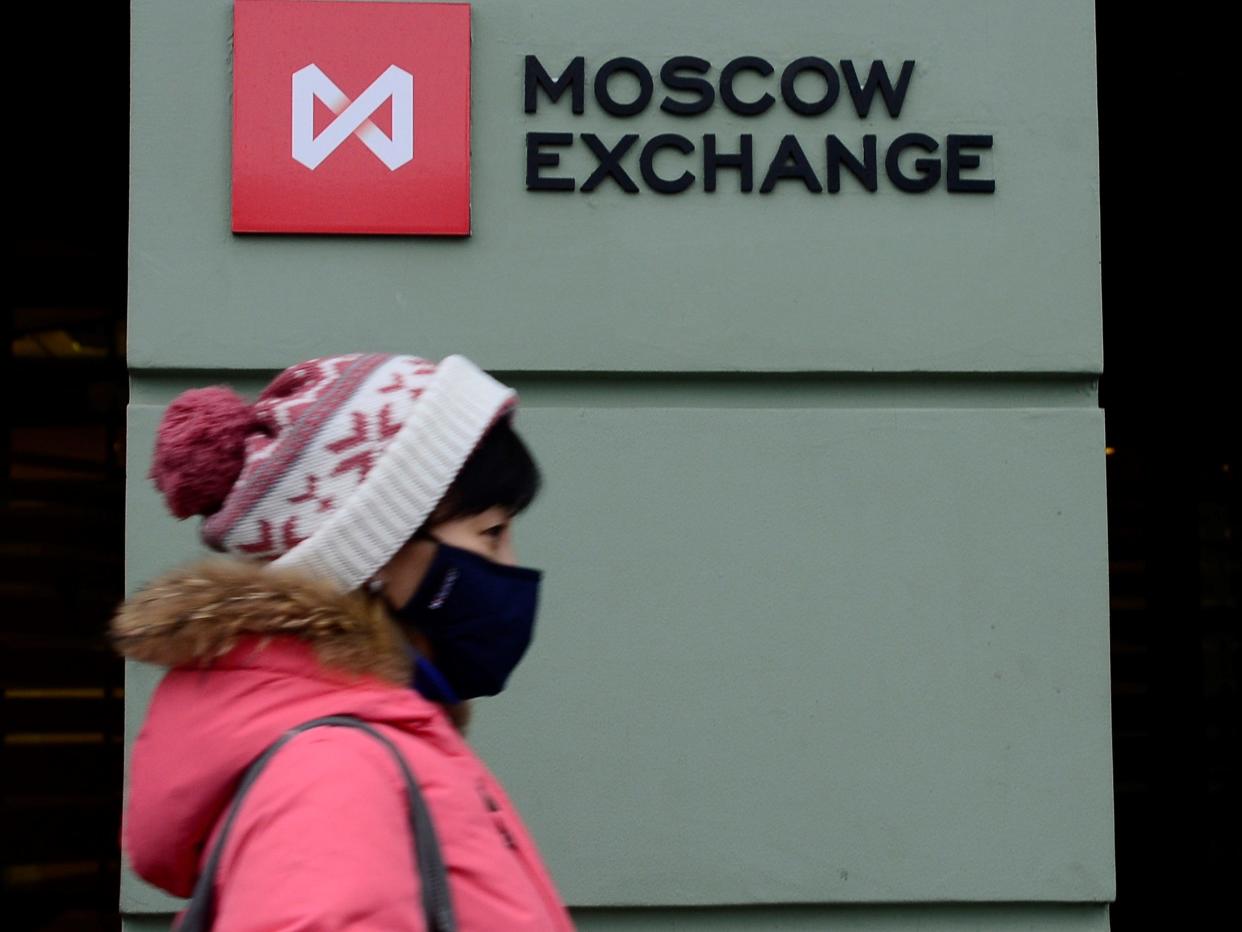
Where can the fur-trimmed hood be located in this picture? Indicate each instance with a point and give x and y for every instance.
(198, 613)
(252, 653)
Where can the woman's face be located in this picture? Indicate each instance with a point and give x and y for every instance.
(489, 534)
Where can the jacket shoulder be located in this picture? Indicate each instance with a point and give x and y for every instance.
(322, 833)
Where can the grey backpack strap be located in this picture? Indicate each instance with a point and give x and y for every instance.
(437, 907)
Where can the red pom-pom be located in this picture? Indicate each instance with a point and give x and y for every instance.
(200, 449)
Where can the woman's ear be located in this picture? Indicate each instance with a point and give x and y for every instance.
(399, 578)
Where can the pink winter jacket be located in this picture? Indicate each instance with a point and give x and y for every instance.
(322, 841)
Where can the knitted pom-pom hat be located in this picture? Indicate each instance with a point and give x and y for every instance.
(334, 467)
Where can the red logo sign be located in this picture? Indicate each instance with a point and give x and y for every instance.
(351, 117)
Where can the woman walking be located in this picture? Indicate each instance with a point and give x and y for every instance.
(365, 503)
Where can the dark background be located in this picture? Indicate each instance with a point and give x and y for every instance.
(1170, 391)
(62, 500)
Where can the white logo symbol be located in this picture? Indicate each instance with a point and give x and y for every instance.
(353, 117)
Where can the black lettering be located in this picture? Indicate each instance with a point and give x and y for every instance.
(645, 86)
(956, 160)
(790, 162)
(790, 93)
(865, 170)
(731, 100)
(713, 160)
(862, 94)
(536, 160)
(609, 163)
(673, 81)
(573, 77)
(929, 169)
(646, 163)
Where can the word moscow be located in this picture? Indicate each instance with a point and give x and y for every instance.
(684, 75)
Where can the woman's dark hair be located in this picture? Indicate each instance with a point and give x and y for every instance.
(500, 472)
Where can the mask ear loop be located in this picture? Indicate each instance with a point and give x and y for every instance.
(375, 586)
(440, 690)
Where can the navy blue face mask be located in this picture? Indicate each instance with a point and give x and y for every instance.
(479, 618)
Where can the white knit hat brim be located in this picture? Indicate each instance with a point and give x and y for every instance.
(408, 480)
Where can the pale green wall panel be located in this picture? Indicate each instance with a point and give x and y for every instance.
(820, 654)
(923, 918)
(607, 281)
